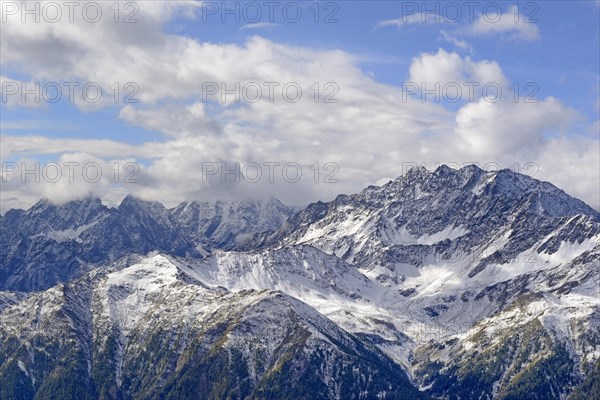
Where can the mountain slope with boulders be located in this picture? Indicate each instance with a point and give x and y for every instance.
(148, 328)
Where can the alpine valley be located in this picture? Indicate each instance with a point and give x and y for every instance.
(446, 284)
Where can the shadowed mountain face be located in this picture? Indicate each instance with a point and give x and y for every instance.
(477, 284)
(49, 243)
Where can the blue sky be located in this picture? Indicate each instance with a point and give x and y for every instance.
(369, 49)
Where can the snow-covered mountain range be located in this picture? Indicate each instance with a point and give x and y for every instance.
(48, 243)
(445, 284)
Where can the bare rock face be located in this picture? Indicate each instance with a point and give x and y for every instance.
(49, 244)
